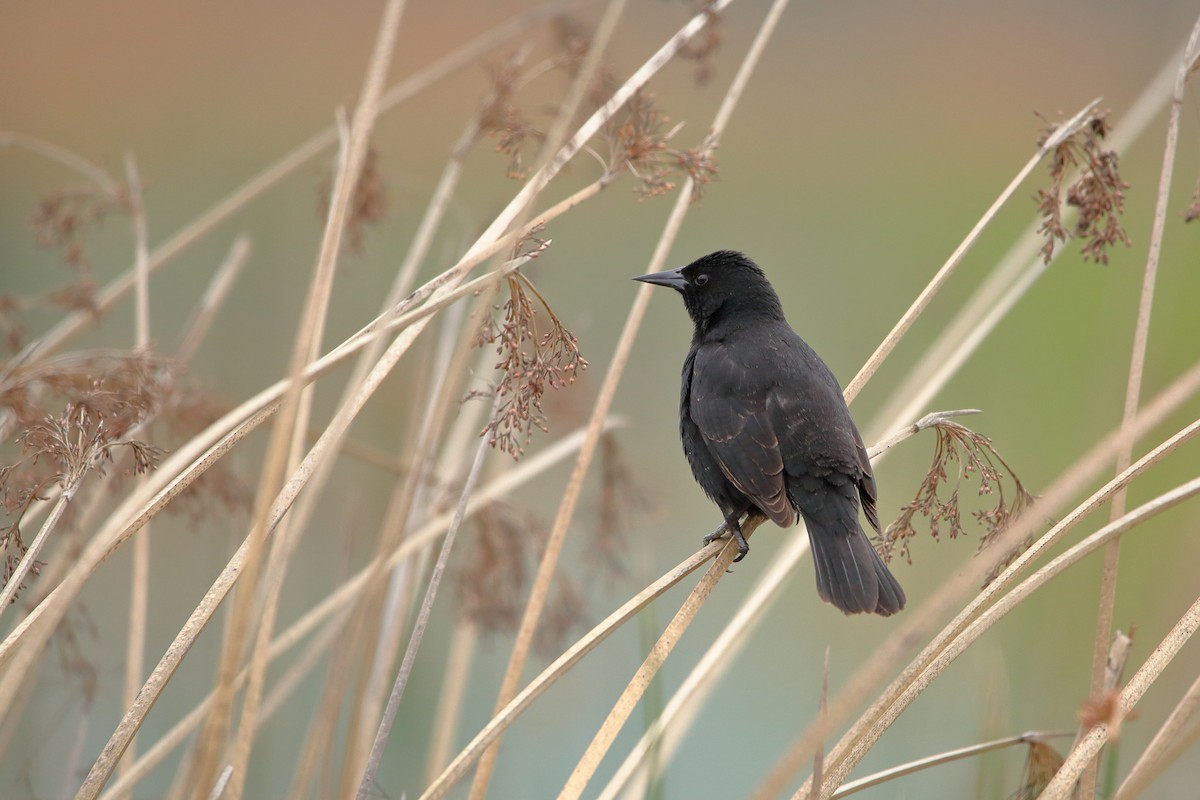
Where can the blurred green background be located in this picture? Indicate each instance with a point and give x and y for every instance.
(870, 140)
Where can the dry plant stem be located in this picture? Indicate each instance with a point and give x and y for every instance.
(1003, 606)
(668, 730)
(318, 752)
(337, 602)
(970, 751)
(39, 541)
(276, 172)
(1017, 271)
(141, 260)
(89, 170)
(1063, 783)
(563, 664)
(308, 336)
(450, 703)
(414, 643)
(918, 625)
(213, 299)
(892, 702)
(282, 547)
(1141, 334)
(918, 306)
(654, 660)
(819, 758)
(135, 653)
(1172, 740)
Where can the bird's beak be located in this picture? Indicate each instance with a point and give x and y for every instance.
(673, 278)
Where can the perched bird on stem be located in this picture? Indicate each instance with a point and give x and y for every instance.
(767, 432)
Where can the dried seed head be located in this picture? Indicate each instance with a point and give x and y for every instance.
(1041, 763)
(704, 45)
(1098, 193)
(367, 207)
(958, 454)
(530, 362)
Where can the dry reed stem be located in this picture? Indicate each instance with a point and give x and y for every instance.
(15, 580)
(869, 727)
(654, 660)
(1176, 735)
(458, 767)
(213, 298)
(450, 701)
(341, 598)
(90, 170)
(970, 751)
(918, 625)
(1062, 785)
(285, 166)
(285, 430)
(969, 635)
(284, 542)
(868, 370)
(135, 652)
(665, 734)
(1137, 362)
(1017, 271)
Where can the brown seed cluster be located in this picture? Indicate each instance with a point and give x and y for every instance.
(72, 417)
(64, 218)
(62, 221)
(1042, 762)
(637, 138)
(959, 453)
(492, 582)
(639, 142)
(531, 361)
(704, 45)
(61, 449)
(369, 205)
(1098, 193)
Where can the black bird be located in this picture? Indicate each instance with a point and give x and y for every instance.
(767, 432)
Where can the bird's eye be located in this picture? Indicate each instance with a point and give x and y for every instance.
(701, 280)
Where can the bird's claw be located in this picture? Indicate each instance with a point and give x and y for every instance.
(742, 545)
(736, 532)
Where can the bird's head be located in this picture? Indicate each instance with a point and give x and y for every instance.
(721, 284)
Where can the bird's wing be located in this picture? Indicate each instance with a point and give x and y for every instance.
(739, 416)
(867, 492)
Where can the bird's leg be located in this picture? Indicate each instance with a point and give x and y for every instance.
(732, 525)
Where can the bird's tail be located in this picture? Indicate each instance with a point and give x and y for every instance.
(850, 574)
